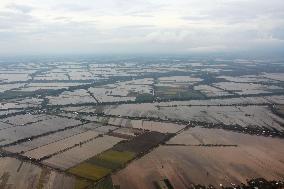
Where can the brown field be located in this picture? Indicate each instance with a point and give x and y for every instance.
(198, 135)
(161, 127)
(15, 174)
(117, 157)
(254, 156)
(129, 131)
(141, 143)
(11, 135)
(280, 110)
(44, 140)
(58, 146)
(79, 154)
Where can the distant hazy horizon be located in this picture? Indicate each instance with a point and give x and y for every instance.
(178, 27)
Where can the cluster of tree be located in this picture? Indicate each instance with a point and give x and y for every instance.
(259, 183)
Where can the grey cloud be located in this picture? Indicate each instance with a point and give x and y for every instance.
(20, 7)
(278, 33)
(10, 20)
(142, 26)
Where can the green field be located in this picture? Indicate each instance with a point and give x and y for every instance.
(102, 164)
(90, 171)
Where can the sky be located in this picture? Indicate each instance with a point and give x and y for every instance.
(141, 26)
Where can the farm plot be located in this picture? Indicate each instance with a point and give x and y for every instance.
(250, 116)
(138, 109)
(4, 125)
(59, 146)
(20, 103)
(24, 119)
(247, 79)
(49, 86)
(45, 140)
(79, 154)
(105, 129)
(204, 136)
(175, 81)
(177, 92)
(121, 122)
(72, 97)
(52, 75)
(274, 76)
(99, 166)
(162, 127)
(7, 87)
(177, 87)
(279, 110)
(15, 174)
(14, 134)
(140, 89)
(11, 77)
(253, 157)
(246, 116)
(129, 131)
(80, 74)
(210, 91)
(247, 88)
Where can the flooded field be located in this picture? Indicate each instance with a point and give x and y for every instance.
(82, 152)
(16, 174)
(45, 140)
(123, 91)
(32, 130)
(186, 162)
(247, 88)
(245, 116)
(61, 145)
(74, 97)
(210, 91)
(164, 122)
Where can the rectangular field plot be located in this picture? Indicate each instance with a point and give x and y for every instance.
(141, 143)
(253, 157)
(61, 145)
(6, 87)
(162, 127)
(15, 134)
(201, 136)
(90, 171)
(246, 116)
(174, 81)
(10, 77)
(16, 174)
(44, 140)
(247, 79)
(274, 76)
(117, 157)
(103, 164)
(5, 125)
(25, 119)
(124, 91)
(247, 88)
(177, 92)
(49, 86)
(79, 154)
(129, 131)
(210, 91)
(105, 129)
(72, 97)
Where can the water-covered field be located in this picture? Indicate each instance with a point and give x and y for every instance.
(97, 123)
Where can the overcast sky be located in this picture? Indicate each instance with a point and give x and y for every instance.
(140, 26)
